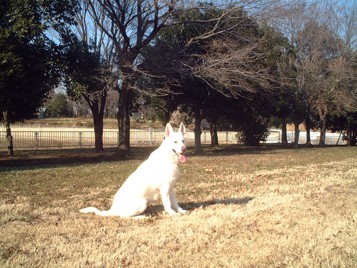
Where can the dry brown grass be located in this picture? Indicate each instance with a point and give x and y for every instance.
(248, 208)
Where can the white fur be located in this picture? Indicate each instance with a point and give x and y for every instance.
(153, 178)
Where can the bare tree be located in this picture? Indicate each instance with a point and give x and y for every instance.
(89, 56)
(130, 25)
(326, 62)
(133, 25)
(233, 68)
(324, 36)
(207, 49)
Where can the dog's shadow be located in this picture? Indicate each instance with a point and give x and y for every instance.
(190, 206)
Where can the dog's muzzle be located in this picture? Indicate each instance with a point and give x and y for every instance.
(181, 156)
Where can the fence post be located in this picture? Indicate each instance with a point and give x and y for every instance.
(80, 139)
(37, 142)
(150, 135)
(338, 140)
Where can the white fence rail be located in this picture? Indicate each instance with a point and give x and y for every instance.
(45, 138)
(76, 138)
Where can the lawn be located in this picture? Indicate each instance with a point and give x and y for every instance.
(249, 207)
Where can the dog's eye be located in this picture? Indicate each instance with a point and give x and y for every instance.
(175, 141)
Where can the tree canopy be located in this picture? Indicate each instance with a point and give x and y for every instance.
(27, 56)
(236, 65)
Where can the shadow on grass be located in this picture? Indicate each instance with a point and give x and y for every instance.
(27, 159)
(32, 159)
(227, 201)
(239, 149)
(52, 158)
(155, 209)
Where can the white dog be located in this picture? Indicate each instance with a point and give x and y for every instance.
(153, 178)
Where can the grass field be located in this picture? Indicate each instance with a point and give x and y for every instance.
(249, 207)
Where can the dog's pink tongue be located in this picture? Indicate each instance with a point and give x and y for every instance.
(182, 158)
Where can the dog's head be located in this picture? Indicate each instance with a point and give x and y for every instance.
(176, 141)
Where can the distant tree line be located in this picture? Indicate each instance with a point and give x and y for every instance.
(240, 65)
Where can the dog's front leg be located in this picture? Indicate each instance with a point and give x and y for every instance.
(166, 201)
(174, 202)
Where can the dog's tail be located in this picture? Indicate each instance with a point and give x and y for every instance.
(107, 213)
(97, 211)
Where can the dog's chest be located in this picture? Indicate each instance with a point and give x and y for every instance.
(166, 172)
(156, 168)
(174, 174)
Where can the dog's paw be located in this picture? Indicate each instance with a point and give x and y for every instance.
(85, 210)
(182, 211)
(171, 212)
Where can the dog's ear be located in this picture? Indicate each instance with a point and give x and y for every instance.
(182, 129)
(168, 130)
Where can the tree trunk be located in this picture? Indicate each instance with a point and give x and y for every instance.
(284, 132)
(214, 134)
(98, 131)
(297, 135)
(352, 137)
(124, 119)
(323, 125)
(9, 138)
(308, 129)
(97, 107)
(197, 130)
